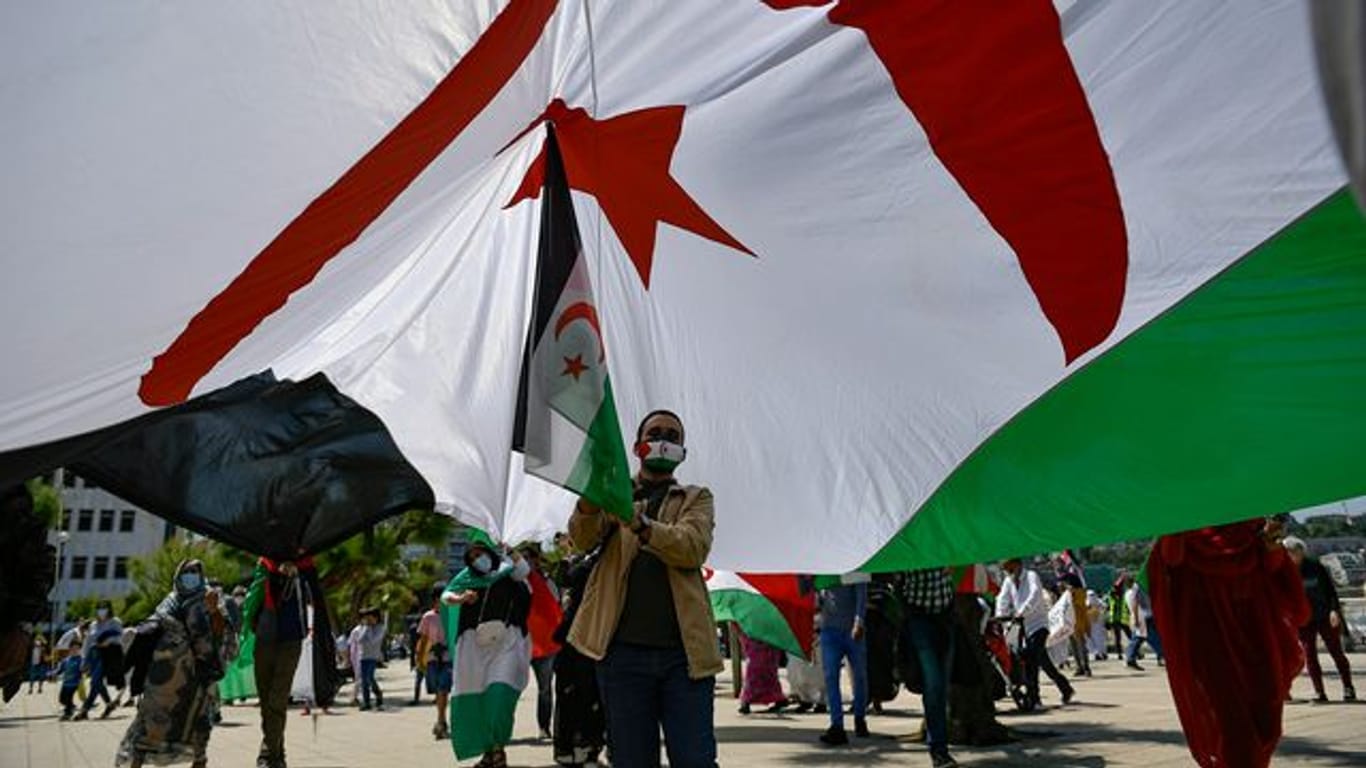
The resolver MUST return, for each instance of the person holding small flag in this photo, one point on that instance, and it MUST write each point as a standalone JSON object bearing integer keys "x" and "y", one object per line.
{"x": 646, "y": 615}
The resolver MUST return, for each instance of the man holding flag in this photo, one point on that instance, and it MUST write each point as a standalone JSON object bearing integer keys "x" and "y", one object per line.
{"x": 646, "y": 616}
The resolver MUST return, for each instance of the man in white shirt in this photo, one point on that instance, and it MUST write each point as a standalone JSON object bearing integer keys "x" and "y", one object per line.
{"x": 1022, "y": 597}
{"x": 1141, "y": 626}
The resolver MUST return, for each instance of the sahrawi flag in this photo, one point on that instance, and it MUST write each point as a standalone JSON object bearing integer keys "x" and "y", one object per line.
{"x": 567, "y": 426}
{"x": 772, "y": 608}
{"x": 489, "y": 660}
{"x": 928, "y": 282}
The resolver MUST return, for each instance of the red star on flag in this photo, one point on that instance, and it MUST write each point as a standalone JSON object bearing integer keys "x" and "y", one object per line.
{"x": 623, "y": 161}
{"x": 574, "y": 366}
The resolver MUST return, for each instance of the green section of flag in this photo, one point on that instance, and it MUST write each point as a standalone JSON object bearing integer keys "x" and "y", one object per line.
{"x": 482, "y": 721}
{"x": 601, "y": 474}
{"x": 1248, "y": 398}
{"x": 757, "y": 616}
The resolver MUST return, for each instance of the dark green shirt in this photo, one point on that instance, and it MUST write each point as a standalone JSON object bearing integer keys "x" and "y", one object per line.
{"x": 648, "y": 616}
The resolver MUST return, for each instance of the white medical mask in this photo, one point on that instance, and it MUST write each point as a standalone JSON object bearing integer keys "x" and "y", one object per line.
{"x": 521, "y": 569}
{"x": 102, "y": 613}
{"x": 191, "y": 581}
{"x": 482, "y": 564}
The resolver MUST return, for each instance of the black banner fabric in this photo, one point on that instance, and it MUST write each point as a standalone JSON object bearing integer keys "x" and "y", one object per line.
{"x": 277, "y": 468}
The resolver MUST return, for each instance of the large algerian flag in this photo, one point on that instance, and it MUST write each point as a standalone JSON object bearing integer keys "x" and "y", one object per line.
{"x": 772, "y": 608}
{"x": 929, "y": 283}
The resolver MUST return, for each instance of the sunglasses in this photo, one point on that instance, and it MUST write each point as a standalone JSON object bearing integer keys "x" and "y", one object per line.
{"x": 664, "y": 433}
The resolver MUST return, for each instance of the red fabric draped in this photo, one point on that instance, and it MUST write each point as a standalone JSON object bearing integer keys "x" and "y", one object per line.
{"x": 1228, "y": 608}
{"x": 544, "y": 617}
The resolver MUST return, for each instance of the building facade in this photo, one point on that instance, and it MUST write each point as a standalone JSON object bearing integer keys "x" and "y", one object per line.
{"x": 99, "y": 535}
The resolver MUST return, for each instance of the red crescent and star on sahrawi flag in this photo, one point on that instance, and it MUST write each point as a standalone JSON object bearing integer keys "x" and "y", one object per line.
{"x": 1012, "y": 127}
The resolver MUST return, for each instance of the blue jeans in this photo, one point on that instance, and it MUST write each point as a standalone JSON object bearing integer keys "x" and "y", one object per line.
{"x": 643, "y": 688}
{"x": 1154, "y": 639}
{"x": 544, "y": 670}
{"x": 837, "y": 645}
{"x": 367, "y": 681}
{"x": 1135, "y": 642}
{"x": 98, "y": 689}
{"x": 932, "y": 637}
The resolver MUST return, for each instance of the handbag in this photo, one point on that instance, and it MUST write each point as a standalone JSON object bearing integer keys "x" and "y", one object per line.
{"x": 490, "y": 633}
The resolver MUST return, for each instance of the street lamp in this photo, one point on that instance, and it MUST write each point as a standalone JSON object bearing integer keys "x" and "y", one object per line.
{"x": 62, "y": 537}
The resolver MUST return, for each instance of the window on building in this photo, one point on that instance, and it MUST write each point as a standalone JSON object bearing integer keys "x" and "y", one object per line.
{"x": 106, "y": 520}
{"x": 66, "y": 519}
{"x": 68, "y": 479}
{"x": 85, "y": 520}
{"x": 120, "y": 568}
{"x": 78, "y": 565}
{"x": 101, "y": 569}
{"x": 126, "y": 518}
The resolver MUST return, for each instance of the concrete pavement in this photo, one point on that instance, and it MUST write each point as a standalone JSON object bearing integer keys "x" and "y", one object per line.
{"x": 1120, "y": 718}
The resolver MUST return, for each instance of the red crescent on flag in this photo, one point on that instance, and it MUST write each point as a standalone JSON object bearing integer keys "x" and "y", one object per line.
{"x": 581, "y": 310}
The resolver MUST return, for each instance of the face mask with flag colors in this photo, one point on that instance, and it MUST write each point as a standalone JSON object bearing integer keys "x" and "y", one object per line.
{"x": 660, "y": 455}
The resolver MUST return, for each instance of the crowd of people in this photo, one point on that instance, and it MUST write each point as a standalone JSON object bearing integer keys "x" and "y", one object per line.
{"x": 620, "y": 639}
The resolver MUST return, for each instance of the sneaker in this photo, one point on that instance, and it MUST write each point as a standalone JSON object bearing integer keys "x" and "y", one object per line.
{"x": 1349, "y": 693}
{"x": 802, "y": 708}
{"x": 365, "y": 707}
{"x": 109, "y": 710}
{"x": 744, "y": 708}
{"x": 1133, "y": 665}
{"x": 861, "y": 728}
{"x": 835, "y": 736}
{"x": 942, "y": 760}
{"x": 82, "y": 715}
{"x": 776, "y": 708}
{"x": 1321, "y": 698}
{"x": 66, "y": 716}
{"x": 819, "y": 709}
{"x": 1068, "y": 695}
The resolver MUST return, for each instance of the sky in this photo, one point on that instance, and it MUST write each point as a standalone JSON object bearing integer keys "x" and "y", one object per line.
{"x": 1355, "y": 506}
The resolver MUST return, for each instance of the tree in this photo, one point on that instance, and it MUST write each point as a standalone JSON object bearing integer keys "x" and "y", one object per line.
{"x": 375, "y": 568}
{"x": 47, "y": 502}
{"x": 84, "y": 607}
{"x": 152, "y": 574}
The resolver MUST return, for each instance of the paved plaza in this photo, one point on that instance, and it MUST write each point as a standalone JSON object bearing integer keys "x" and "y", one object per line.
{"x": 1120, "y": 718}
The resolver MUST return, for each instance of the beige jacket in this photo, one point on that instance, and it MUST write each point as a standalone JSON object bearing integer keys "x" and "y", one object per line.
{"x": 681, "y": 538}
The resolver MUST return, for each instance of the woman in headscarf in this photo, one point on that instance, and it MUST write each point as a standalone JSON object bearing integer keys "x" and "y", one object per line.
{"x": 486, "y": 608}
{"x": 190, "y": 646}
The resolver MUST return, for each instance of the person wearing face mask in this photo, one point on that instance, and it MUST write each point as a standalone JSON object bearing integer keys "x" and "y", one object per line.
{"x": 485, "y": 611}
{"x": 645, "y": 615}
{"x": 193, "y": 643}
{"x": 103, "y": 654}
{"x": 103, "y": 640}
